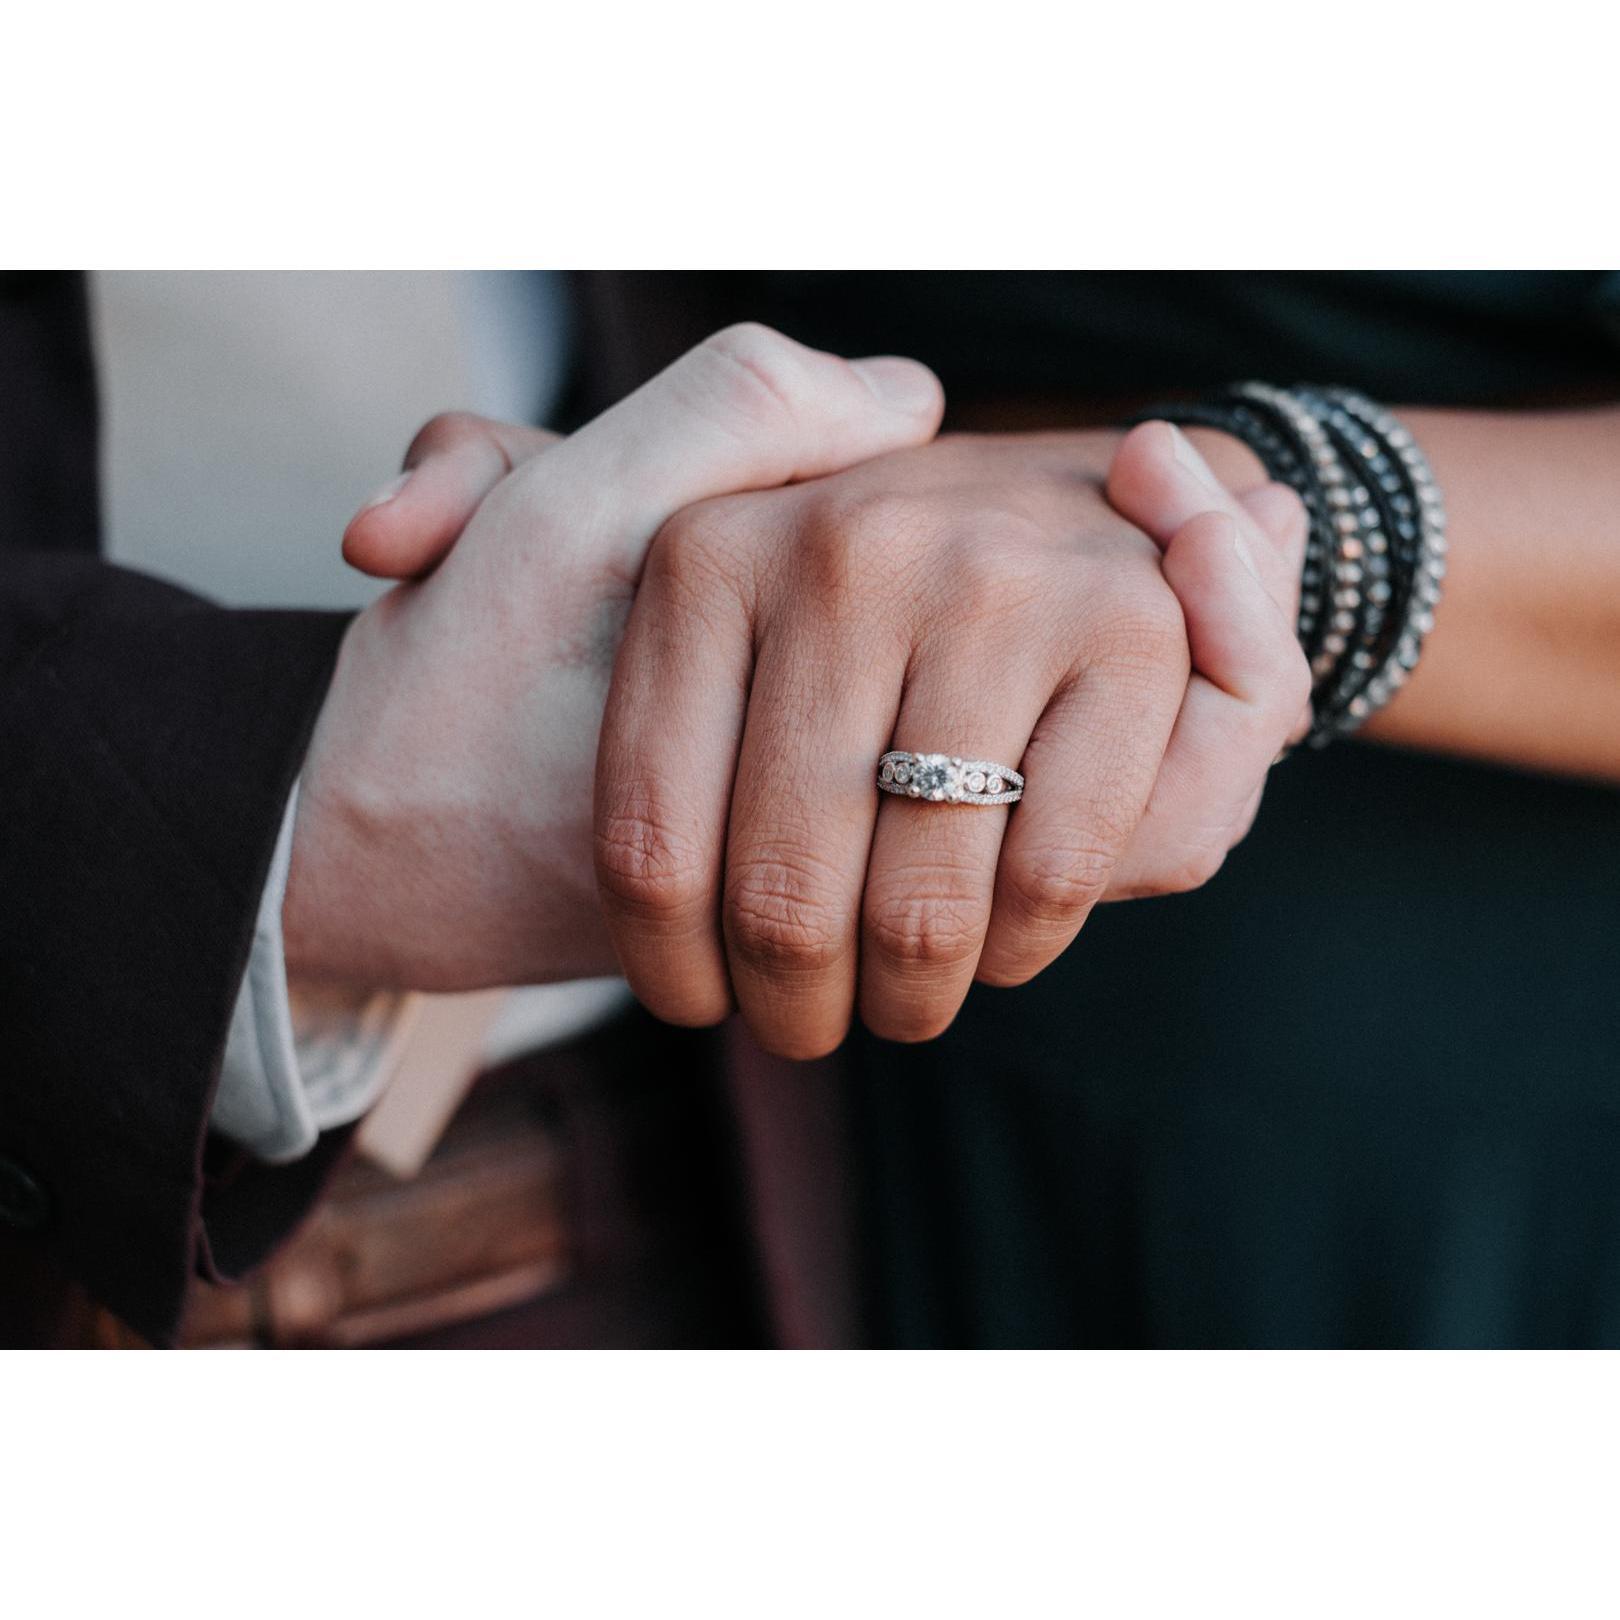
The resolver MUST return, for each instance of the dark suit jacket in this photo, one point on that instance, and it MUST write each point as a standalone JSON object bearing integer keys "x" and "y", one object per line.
{"x": 148, "y": 741}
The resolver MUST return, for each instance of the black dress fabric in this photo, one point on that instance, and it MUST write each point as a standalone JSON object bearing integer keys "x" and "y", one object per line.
{"x": 1364, "y": 1088}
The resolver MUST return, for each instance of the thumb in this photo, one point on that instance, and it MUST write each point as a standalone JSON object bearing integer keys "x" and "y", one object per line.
{"x": 1160, "y": 482}
{"x": 407, "y": 527}
{"x": 1280, "y": 516}
{"x": 746, "y": 409}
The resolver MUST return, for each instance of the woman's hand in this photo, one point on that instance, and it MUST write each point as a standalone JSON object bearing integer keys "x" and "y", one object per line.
{"x": 976, "y": 597}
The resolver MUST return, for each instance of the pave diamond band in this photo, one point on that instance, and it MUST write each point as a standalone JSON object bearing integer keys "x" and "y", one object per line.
{"x": 948, "y": 778}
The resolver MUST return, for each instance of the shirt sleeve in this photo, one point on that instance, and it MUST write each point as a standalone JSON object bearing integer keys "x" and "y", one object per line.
{"x": 300, "y": 1061}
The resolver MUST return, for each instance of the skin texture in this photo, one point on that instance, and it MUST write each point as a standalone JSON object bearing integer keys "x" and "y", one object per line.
{"x": 1248, "y": 674}
{"x": 979, "y": 596}
{"x": 1225, "y": 590}
{"x": 443, "y": 836}
{"x": 1523, "y": 665}
{"x": 1522, "y": 668}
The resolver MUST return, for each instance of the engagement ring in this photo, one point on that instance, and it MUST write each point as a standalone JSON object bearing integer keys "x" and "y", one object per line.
{"x": 948, "y": 779}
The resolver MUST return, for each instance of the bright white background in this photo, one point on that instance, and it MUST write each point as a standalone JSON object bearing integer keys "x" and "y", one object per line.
{"x": 876, "y": 132}
{"x": 1121, "y": 135}
{"x": 479, "y": 1484}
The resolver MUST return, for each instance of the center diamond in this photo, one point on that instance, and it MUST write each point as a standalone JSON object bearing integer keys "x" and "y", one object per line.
{"x": 936, "y": 776}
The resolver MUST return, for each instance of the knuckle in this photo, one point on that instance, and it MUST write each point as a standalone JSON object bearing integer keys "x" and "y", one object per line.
{"x": 992, "y": 580}
{"x": 750, "y": 342}
{"x": 444, "y": 432}
{"x": 646, "y": 864}
{"x": 880, "y": 518}
{"x": 780, "y": 916}
{"x": 848, "y": 543}
{"x": 1055, "y": 887}
{"x": 1006, "y": 973}
{"x": 756, "y": 367}
{"x": 934, "y": 932}
{"x": 1158, "y": 624}
{"x": 910, "y": 1022}
{"x": 1147, "y": 628}
{"x": 702, "y": 566}
{"x": 851, "y": 539}
{"x": 801, "y": 1045}
{"x": 1199, "y": 867}
{"x": 691, "y": 543}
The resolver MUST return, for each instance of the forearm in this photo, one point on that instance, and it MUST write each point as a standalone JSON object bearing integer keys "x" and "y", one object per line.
{"x": 1523, "y": 665}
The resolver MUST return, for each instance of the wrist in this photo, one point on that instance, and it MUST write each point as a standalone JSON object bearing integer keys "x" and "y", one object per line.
{"x": 430, "y": 851}
{"x": 331, "y": 884}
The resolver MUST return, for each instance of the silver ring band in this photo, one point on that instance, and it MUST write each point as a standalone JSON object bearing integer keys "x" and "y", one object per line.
{"x": 948, "y": 778}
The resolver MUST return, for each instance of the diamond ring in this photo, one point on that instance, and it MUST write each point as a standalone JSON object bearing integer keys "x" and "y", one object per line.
{"x": 948, "y": 779}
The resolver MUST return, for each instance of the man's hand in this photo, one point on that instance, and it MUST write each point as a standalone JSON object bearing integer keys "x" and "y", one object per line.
{"x": 443, "y": 836}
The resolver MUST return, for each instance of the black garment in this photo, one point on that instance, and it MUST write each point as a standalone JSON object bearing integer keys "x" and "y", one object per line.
{"x": 1436, "y": 338}
{"x": 1364, "y": 1088}
{"x": 148, "y": 742}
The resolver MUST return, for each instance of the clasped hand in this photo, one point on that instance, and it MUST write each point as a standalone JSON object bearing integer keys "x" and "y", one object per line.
{"x": 627, "y": 706}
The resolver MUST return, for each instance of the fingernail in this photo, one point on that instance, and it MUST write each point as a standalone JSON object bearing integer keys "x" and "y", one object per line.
{"x": 902, "y": 385}
{"x": 387, "y": 492}
{"x": 1193, "y": 462}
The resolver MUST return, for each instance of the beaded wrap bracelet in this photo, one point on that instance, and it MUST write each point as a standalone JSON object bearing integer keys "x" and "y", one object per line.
{"x": 1375, "y": 553}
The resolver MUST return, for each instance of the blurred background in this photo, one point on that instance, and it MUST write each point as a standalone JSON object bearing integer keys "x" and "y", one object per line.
{"x": 247, "y": 415}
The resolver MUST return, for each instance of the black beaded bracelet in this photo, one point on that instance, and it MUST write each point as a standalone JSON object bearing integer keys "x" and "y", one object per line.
{"x": 1419, "y": 531}
{"x": 1375, "y": 547}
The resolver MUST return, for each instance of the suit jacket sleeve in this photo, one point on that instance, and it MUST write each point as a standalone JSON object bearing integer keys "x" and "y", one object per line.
{"x": 148, "y": 743}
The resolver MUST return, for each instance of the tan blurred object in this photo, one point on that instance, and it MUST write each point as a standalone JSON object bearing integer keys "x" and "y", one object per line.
{"x": 482, "y": 1228}
{"x": 436, "y": 1069}
{"x": 585, "y": 1196}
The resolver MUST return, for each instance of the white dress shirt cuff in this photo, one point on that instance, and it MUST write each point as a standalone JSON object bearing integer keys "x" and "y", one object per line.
{"x": 300, "y": 1062}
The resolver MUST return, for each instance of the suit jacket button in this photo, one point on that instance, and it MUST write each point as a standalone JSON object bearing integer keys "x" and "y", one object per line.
{"x": 23, "y": 1204}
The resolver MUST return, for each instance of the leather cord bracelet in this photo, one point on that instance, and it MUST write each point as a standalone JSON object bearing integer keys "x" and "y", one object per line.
{"x": 1376, "y": 545}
